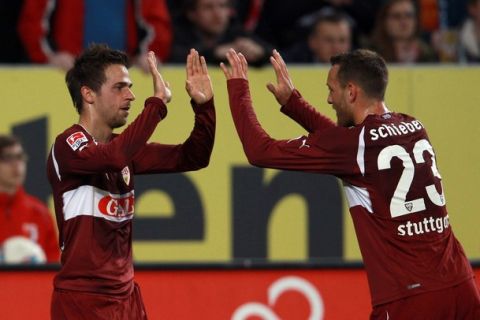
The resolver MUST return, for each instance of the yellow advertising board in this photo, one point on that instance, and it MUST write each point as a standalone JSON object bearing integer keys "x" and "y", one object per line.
{"x": 231, "y": 211}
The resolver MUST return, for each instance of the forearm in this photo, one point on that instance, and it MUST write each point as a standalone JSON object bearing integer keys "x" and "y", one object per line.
{"x": 299, "y": 110}
{"x": 118, "y": 153}
{"x": 199, "y": 145}
{"x": 254, "y": 139}
{"x": 193, "y": 154}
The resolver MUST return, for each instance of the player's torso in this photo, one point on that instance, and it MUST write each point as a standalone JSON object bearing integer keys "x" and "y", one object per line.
{"x": 399, "y": 170}
{"x": 94, "y": 213}
{"x": 399, "y": 211}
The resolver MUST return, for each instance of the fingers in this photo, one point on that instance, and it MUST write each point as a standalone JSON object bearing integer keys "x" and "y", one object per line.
{"x": 234, "y": 61}
{"x": 225, "y": 71}
{"x": 279, "y": 59}
{"x": 152, "y": 63}
{"x": 238, "y": 65}
{"x": 232, "y": 73}
{"x": 196, "y": 64}
{"x": 278, "y": 65}
{"x": 160, "y": 88}
{"x": 281, "y": 63}
{"x": 271, "y": 88}
{"x": 243, "y": 63}
{"x": 193, "y": 63}
{"x": 190, "y": 64}
{"x": 203, "y": 65}
{"x": 276, "y": 68}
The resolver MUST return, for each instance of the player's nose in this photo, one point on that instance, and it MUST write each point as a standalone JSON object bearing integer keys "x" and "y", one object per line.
{"x": 130, "y": 95}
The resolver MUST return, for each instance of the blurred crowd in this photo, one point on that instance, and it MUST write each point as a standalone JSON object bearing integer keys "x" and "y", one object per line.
{"x": 304, "y": 31}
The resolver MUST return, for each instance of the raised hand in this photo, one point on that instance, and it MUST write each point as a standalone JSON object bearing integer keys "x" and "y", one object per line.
{"x": 198, "y": 84}
{"x": 284, "y": 87}
{"x": 238, "y": 66}
{"x": 161, "y": 89}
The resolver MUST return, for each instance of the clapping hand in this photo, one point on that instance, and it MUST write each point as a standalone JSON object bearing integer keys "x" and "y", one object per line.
{"x": 238, "y": 66}
{"x": 161, "y": 89}
{"x": 284, "y": 87}
{"x": 198, "y": 84}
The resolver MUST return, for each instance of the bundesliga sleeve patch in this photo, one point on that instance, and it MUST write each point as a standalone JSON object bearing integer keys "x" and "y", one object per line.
{"x": 76, "y": 139}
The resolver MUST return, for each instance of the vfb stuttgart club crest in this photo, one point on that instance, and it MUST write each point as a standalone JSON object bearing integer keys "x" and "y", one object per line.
{"x": 126, "y": 175}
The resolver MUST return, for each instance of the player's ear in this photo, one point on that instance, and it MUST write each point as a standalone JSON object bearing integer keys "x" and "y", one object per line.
{"x": 352, "y": 92}
{"x": 88, "y": 94}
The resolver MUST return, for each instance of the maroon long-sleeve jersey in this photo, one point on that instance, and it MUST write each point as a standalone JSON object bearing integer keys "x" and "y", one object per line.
{"x": 391, "y": 182}
{"x": 93, "y": 191}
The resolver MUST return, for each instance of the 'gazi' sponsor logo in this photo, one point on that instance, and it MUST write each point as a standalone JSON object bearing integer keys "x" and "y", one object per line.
{"x": 117, "y": 207}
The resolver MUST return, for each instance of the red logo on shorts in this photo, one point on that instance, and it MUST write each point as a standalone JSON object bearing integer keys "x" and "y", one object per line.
{"x": 117, "y": 207}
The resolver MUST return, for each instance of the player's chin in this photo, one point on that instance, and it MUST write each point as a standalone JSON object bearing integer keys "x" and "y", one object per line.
{"x": 119, "y": 122}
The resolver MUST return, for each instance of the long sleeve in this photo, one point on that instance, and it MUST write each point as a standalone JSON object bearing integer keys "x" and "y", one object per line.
{"x": 76, "y": 154}
{"x": 300, "y": 111}
{"x": 331, "y": 151}
{"x": 33, "y": 25}
{"x": 193, "y": 154}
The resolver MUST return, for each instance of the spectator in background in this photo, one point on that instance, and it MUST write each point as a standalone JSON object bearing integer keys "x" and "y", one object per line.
{"x": 56, "y": 31}
{"x": 281, "y": 23}
{"x": 470, "y": 34}
{"x": 330, "y": 34}
{"x": 396, "y": 35}
{"x": 210, "y": 27}
{"x": 27, "y": 231}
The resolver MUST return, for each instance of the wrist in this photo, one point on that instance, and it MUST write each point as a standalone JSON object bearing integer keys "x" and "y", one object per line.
{"x": 159, "y": 104}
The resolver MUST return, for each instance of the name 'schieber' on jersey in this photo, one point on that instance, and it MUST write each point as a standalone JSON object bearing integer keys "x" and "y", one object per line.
{"x": 387, "y": 130}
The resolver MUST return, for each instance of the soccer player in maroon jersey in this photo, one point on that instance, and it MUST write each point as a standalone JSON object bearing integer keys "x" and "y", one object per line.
{"x": 416, "y": 268}
{"x": 92, "y": 170}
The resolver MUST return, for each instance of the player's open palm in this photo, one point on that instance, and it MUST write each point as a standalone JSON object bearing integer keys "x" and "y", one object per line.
{"x": 198, "y": 84}
{"x": 238, "y": 66}
{"x": 284, "y": 87}
{"x": 161, "y": 89}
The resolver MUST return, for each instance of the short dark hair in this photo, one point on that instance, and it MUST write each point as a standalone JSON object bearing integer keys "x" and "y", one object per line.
{"x": 364, "y": 67}
{"x": 7, "y": 141}
{"x": 89, "y": 70}
{"x": 329, "y": 15}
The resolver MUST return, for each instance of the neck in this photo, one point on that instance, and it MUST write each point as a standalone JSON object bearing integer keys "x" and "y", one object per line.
{"x": 374, "y": 107}
{"x": 98, "y": 130}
